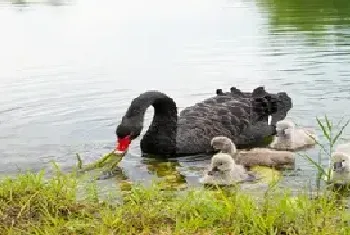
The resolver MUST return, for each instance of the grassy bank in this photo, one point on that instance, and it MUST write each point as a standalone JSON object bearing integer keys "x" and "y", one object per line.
{"x": 33, "y": 204}
{"x": 29, "y": 204}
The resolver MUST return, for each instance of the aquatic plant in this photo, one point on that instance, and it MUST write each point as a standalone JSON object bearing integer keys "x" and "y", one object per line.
{"x": 111, "y": 159}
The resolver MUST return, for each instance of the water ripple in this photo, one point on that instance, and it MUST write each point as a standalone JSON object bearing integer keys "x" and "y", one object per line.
{"x": 65, "y": 88}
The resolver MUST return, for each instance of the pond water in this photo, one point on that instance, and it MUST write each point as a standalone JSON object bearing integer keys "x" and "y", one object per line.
{"x": 69, "y": 72}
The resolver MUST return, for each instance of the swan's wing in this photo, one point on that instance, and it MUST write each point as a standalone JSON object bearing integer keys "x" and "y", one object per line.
{"x": 194, "y": 134}
{"x": 222, "y": 116}
{"x": 259, "y": 134}
{"x": 197, "y": 125}
{"x": 217, "y": 116}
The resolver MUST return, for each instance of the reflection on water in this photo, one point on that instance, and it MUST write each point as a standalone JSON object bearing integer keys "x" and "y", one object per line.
{"x": 69, "y": 73}
{"x": 310, "y": 17}
{"x": 166, "y": 171}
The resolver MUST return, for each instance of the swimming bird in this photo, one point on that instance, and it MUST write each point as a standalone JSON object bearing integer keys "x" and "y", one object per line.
{"x": 224, "y": 171}
{"x": 254, "y": 156}
{"x": 340, "y": 172}
{"x": 241, "y": 119}
{"x": 265, "y": 157}
{"x": 224, "y": 145}
{"x": 289, "y": 137}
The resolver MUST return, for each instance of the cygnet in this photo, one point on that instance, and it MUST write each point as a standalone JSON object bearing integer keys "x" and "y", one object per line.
{"x": 340, "y": 172}
{"x": 288, "y": 137}
{"x": 224, "y": 145}
{"x": 255, "y": 156}
{"x": 265, "y": 157}
{"x": 224, "y": 171}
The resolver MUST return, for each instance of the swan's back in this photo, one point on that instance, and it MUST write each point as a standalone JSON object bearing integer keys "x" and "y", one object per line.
{"x": 217, "y": 116}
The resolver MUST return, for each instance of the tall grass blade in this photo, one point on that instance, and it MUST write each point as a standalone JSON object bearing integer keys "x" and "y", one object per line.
{"x": 324, "y": 130}
{"x": 340, "y": 133}
{"x": 318, "y": 166}
{"x": 329, "y": 124}
{"x": 318, "y": 143}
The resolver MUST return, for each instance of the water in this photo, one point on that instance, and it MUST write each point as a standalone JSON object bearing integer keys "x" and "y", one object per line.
{"x": 69, "y": 72}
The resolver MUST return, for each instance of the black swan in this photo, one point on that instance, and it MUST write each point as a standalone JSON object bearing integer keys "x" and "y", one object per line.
{"x": 242, "y": 119}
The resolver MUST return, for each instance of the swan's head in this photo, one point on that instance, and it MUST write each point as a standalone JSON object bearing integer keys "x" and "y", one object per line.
{"x": 220, "y": 163}
{"x": 341, "y": 162}
{"x": 223, "y": 144}
{"x": 284, "y": 128}
{"x": 125, "y": 134}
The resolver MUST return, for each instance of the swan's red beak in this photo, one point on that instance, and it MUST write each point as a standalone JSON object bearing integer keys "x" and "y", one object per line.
{"x": 122, "y": 144}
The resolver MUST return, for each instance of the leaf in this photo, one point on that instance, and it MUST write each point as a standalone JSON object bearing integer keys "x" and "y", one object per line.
{"x": 318, "y": 166}
{"x": 325, "y": 133}
{"x": 339, "y": 133}
{"x": 318, "y": 143}
{"x": 329, "y": 124}
{"x": 80, "y": 162}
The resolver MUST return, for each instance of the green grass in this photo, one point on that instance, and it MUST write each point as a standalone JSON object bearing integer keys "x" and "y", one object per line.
{"x": 33, "y": 204}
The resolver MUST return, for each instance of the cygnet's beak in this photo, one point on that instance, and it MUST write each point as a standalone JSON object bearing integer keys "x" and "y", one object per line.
{"x": 280, "y": 133}
{"x": 338, "y": 166}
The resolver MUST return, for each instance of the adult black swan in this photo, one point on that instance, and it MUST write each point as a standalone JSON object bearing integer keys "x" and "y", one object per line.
{"x": 243, "y": 119}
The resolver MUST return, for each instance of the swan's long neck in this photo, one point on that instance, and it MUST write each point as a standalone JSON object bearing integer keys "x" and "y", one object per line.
{"x": 161, "y": 135}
